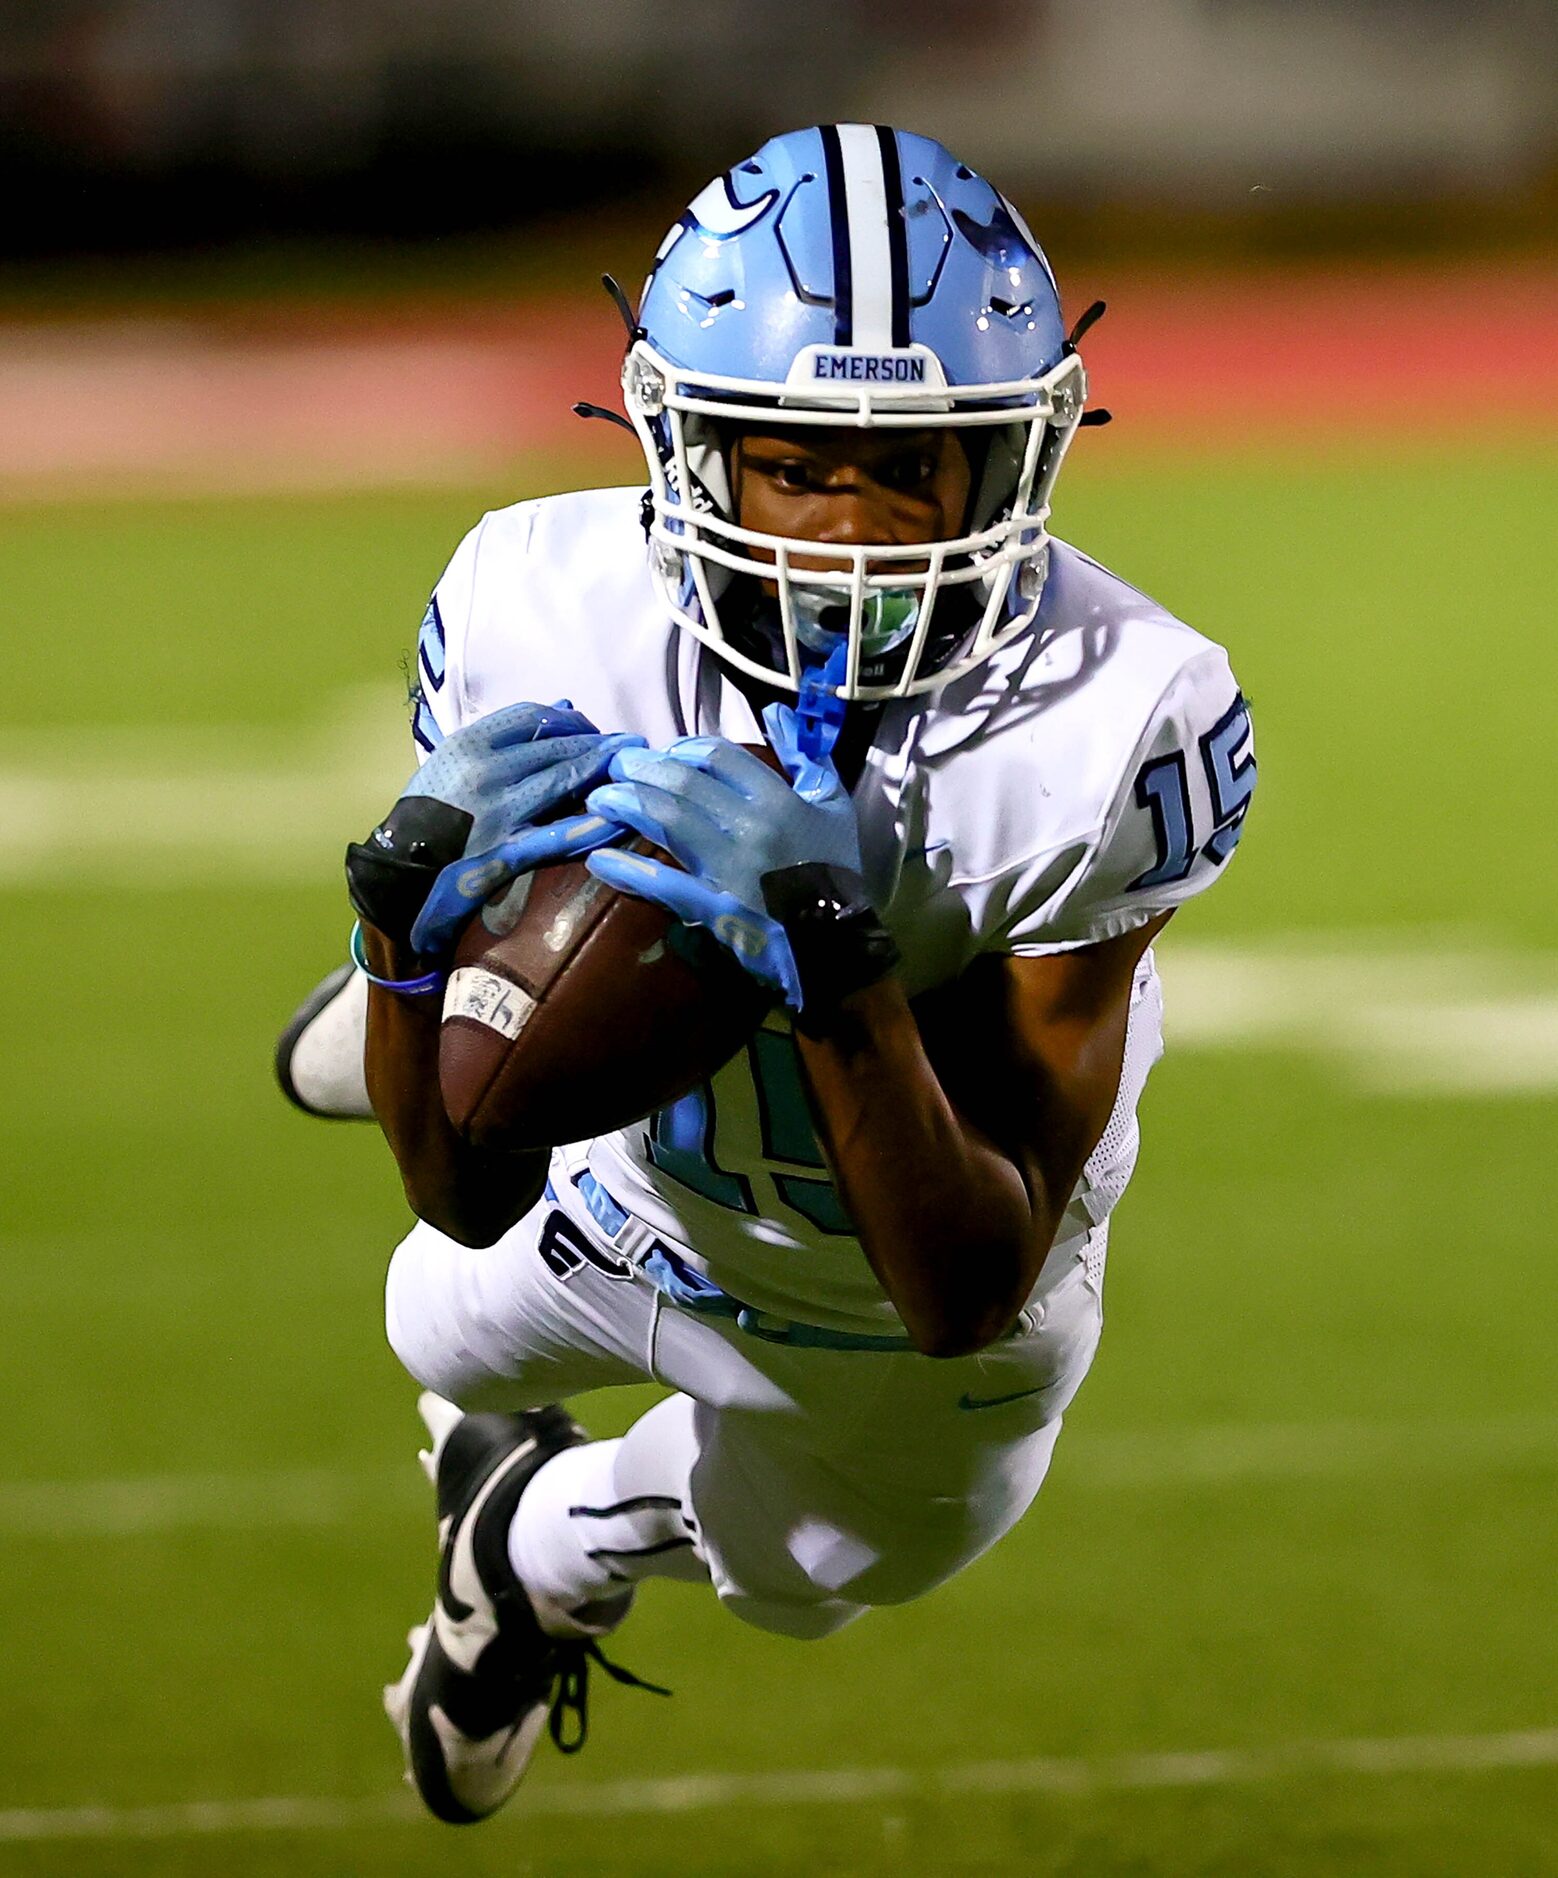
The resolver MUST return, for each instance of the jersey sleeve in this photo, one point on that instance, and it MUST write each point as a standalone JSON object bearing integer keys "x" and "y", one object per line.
{"x": 437, "y": 687}
{"x": 1170, "y": 830}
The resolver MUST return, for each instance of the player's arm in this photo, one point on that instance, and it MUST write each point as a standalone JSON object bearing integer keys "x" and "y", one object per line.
{"x": 955, "y": 1176}
{"x": 1005, "y": 1083}
{"x": 487, "y": 805}
{"x": 956, "y": 1132}
{"x": 474, "y": 1195}
{"x": 955, "y": 1150}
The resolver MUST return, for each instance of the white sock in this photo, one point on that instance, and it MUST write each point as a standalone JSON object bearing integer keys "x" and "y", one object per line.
{"x": 599, "y": 1518}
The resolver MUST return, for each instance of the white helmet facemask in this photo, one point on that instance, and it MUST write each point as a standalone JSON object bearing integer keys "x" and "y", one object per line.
{"x": 911, "y": 617}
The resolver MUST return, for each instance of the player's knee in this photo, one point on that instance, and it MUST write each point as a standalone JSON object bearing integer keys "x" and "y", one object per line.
{"x": 904, "y": 1586}
{"x": 413, "y": 1324}
{"x": 782, "y": 1617}
{"x": 401, "y": 1325}
{"x": 440, "y": 1342}
{"x": 921, "y": 1563}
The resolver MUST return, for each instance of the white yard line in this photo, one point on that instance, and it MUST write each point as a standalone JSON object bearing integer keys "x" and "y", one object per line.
{"x": 155, "y": 1503}
{"x": 1172, "y": 1457}
{"x": 1086, "y": 1462}
{"x": 207, "y": 806}
{"x": 1053, "y": 1777}
{"x": 1400, "y": 1013}
{"x": 1447, "y": 1015}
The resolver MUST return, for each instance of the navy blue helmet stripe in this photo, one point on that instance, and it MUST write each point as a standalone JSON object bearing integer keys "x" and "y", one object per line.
{"x": 897, "y": 233}
{"x": 838, "y": 213}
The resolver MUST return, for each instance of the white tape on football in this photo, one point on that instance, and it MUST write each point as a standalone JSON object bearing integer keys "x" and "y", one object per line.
{"x": 487, "y": 999}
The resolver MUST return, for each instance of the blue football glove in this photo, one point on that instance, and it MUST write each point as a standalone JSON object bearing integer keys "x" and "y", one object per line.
{"x": 474, "y": 816}
{"x": 759, "y": 853}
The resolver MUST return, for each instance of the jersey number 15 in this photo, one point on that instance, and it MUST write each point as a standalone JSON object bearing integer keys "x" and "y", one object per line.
{"x": 1163, "y": 788}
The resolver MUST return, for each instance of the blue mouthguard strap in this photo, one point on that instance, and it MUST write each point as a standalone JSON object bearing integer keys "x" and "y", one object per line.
{"x": 819, "y": 709}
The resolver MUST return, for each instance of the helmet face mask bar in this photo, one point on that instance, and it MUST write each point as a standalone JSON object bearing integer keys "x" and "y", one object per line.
{"x": 696, "y": 545}
{"x": 912, "y": 616}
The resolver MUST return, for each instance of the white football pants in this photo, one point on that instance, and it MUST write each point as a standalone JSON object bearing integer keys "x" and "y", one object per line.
{"x": 819, "y": 1482}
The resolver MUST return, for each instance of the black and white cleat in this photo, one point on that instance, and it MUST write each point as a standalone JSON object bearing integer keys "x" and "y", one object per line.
{"x": 484, "y": 1678}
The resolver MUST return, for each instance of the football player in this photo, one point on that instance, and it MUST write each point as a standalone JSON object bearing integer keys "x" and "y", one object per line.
{"x": 865, "y": 1259}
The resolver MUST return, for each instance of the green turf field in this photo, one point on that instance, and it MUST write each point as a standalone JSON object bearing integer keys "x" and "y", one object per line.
{"x": 1305, "y": 1500}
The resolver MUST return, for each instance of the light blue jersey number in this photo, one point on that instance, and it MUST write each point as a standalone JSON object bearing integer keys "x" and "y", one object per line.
{"x": 1163, "y": 789}
{"x": 429, "y": 680}
{"x": 745, "y": 1139}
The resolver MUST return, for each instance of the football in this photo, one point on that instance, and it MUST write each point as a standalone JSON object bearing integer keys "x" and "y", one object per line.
{"x": 573, "y": 1009}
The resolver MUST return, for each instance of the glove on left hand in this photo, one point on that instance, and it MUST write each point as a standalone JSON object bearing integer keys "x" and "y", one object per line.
{"x": 467, "y": 821}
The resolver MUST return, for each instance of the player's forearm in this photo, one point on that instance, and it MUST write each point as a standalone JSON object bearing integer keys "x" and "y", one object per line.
{"x": 473, "y": 1194}
{"x": 946, "y": 1219}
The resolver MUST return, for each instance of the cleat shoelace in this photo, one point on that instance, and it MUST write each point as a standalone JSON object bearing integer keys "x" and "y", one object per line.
{"x": 569, "y": 1720}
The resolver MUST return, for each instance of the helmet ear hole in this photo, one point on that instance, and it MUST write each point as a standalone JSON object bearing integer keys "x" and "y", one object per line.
{"x": 705, "y": 445}
{"x": 995, "y": 480}
{"x": 975, "y": 446}
{"x": 710, "y": 467}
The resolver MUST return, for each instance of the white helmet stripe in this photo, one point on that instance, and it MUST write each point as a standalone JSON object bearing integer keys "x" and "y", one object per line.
{"x": 870, "y": 255}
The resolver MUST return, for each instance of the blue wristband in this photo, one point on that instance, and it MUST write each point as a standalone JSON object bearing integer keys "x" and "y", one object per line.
{"x": 421, "y": 987}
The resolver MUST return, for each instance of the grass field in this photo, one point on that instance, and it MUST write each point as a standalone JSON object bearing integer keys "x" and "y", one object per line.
{"x": 1305, "y": 1501}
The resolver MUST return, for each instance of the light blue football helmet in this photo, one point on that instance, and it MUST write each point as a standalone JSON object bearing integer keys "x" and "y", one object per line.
{"x": 852, "y": 274}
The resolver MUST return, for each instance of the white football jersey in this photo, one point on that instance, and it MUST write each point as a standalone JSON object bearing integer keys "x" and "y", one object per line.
{"x": 1088, "y": 776}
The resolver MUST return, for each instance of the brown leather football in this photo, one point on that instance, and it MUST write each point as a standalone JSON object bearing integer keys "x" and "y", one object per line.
{"x": 573, "y": 1009}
